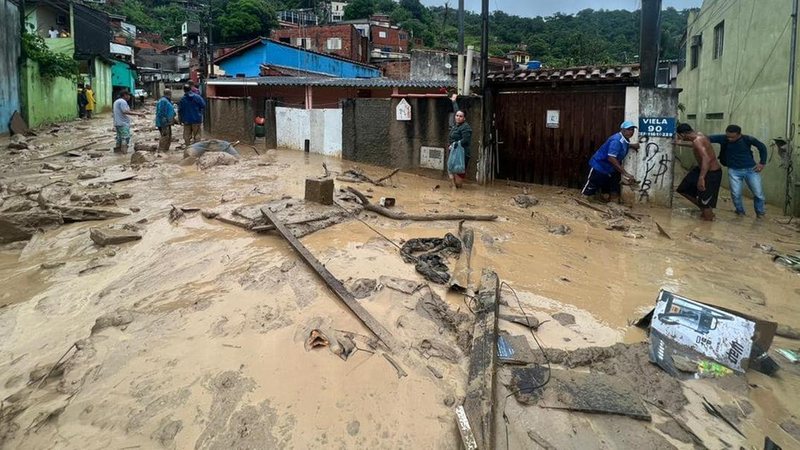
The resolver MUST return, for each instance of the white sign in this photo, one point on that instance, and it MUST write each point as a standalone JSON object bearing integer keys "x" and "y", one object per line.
{"x": 431, "y": 157}
{"x": 553, "y": 118}
{"x": 403, "y": 110}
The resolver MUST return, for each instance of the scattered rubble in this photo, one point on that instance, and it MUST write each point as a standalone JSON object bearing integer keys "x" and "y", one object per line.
{"x": 525, "y": 201}
{"x": 212, "y": 159}
{"x": 111, "y": 236}
{"x": 139, "y": 158}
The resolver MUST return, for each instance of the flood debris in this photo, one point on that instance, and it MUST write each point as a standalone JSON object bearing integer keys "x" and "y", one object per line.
{"x": 560, "y": 230}
{"x": 478, "y": 404}
{"x": 579, "y": 391}
{"x": 396, "y": 215}
{"x": 429, "y": 256}
{"x": 788, "y": 332}
{"x": 662, "y": 231}
{"x": 198, "y": 149}
{"x": 513, "y": 349}
{"x": 526, "y": 321}
{"x": 213, "y": 159}
{"x": 525, "y": 201}
{"x": 460, "y": 280}
{"x": 697, "y": 331}
{"x": 116, "y": 319}
{"x": 333, "y": 283}
{"x": 356, "y": 175}
{"x": 363, "y": 287}
{"x": 399, "y": 284}
{"x": 139, "y": 158}
{"x": 319, "y": 190}
{"x": 111, "y": 236}
{"x": 400, "y": 372}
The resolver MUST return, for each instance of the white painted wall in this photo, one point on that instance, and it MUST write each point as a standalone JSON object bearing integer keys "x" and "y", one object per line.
{"x": 322, "y": 126}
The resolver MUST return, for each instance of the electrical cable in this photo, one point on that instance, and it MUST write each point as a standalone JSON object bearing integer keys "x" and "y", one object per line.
{"x": 544, "y": 354}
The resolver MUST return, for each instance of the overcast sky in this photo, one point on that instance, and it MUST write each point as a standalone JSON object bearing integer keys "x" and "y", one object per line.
{"x": 532, "y": 8}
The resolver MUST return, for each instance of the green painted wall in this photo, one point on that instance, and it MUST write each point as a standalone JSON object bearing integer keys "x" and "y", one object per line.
{"x": 47, "y": 101}
{"x": 748, "y": 84}
{"x": 101, "y": 84}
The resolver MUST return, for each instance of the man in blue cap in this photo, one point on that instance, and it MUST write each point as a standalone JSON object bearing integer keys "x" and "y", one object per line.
{"x": 606, "y": 171}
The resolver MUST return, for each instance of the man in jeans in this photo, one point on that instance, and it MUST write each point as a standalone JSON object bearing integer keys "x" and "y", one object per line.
{"x": 165, "y": 116}
{"x": 190, "y": 111}
{"x": 736, "y": 153}
{"x": 122, "y": 121}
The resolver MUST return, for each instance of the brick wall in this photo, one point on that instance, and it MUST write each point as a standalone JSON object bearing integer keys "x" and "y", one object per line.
{"x": 398, "y": 70}
{"x": 344, "y": 40}
{"x": 391, "y": 39}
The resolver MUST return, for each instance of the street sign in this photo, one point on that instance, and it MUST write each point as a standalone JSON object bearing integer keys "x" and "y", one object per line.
{"x": 657, "y": 127}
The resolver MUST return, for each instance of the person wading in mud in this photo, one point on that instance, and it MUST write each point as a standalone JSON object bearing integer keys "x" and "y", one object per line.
{"x": 460, "y": 132}
{"x": 190, "y": 113}
{"x": 606, "y": 171}
{"x": 165, "y": 117}
{"x": 701, "y": 185}
{"x": 122, "y": 121}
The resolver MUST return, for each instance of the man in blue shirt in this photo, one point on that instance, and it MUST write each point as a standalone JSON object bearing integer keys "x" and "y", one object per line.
{"x": 736, "y": 153}
{"x": 165, "y": 117}
{"x": 190, "y": 111}
{"x": 606, "y": 171}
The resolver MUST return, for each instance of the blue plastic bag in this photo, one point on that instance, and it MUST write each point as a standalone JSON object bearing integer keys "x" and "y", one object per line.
{"x": 455, "y": 162}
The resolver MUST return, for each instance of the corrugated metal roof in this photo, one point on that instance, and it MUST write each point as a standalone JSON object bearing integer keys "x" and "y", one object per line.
{"x": 333, "y": 82}
{"x": 589, "y": 74}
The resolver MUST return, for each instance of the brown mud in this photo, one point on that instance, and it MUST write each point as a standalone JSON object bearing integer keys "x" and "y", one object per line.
{"x": 192, "y": 335}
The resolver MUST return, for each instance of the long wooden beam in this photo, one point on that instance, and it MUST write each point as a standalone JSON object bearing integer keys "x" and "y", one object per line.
{"x": 479, "y": 401}
{"x": 333, "y": 283}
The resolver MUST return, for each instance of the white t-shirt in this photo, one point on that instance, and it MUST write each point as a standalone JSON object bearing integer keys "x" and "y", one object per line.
{"x": 53, "y": 34}
{"x": 120, "y": 108}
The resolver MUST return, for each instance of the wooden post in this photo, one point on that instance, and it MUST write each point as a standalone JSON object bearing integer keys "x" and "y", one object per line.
{"x": 479, "y": 401}
{"x": 309, "y": 97}
{"x": 333, "y": 283}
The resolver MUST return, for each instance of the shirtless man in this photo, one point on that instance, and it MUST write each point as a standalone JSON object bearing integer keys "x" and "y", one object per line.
{"x": 701, "y": 184}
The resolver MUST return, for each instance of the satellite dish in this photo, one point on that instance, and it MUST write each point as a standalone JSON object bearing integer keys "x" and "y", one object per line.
{"x": 448, "y": 66}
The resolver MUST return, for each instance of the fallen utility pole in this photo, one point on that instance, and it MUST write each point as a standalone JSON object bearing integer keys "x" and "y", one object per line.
{"x": 479, "y": 401}
{"x": 420, "y": 218}
{"x": 333, "y": 283}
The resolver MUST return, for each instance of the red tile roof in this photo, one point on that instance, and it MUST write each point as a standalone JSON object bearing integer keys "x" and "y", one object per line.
{"x": 628, "y": 74}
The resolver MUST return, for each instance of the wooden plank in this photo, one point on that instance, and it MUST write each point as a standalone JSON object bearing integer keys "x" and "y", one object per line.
{"x": 479, "y": 401}
{"x": 333, "y": 283}
{"x": 61, "y": 152}
{"x": 460, "y": 279}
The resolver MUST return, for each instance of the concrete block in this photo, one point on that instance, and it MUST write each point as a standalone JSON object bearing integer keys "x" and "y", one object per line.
{"x": 319, "y": 190}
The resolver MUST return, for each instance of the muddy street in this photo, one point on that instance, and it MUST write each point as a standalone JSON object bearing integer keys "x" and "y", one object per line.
{"x": 193, "y": 331}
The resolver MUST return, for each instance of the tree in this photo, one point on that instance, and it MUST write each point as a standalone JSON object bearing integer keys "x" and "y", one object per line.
{"x": 246, "y": 19}
{"x": 359, "y": 9}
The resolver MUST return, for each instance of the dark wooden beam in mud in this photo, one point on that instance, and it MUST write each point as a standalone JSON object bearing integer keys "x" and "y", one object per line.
{"x": 420, "y": 218}
{"x": 479, "y": 401}
{"x": 61, "y": 152}
{"x": 333, "y": 283}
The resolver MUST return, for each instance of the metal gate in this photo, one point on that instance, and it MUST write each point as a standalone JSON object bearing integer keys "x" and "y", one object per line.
{"x": 532, "y": 151}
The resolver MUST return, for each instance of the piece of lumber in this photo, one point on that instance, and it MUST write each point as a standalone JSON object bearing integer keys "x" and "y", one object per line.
{"x": 662, "y": 231}
{"x": 333, "y": 283}
{"x": 61, "y": 152}
{"x": 420, "y": 218}
{"x": 394, "y": 172}
{"x": 464, "y": 428}
{"x": 460, "y": 280}
{"x": 590, "y": 206}
{"x": 400, "y": 372}
{"x": 479, "y": 401}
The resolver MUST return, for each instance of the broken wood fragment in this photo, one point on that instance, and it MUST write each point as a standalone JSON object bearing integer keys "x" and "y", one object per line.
{"x": 460, "y": 280}
{"x": 590, "y": 206}
{"x": 400, "y": 372}
{"x": 421, "y": 218}
{"x": 662, "y": 231}
{"x": 333, "y": 283}
{"x": 61, "y": 152}
{"x": 479, "y": 401}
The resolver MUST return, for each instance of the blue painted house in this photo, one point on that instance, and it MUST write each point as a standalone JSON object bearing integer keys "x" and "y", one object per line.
{"x": 249, "y": 58}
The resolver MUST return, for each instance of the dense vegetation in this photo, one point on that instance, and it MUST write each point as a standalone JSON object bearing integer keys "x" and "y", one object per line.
{"x": 588, "y": 37}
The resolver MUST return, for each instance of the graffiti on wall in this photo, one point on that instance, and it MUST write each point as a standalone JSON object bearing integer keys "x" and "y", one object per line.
{"x": 657, "y": 165}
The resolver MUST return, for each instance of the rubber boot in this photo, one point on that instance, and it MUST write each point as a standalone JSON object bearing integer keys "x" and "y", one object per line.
{"x": 123, "y": 148}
